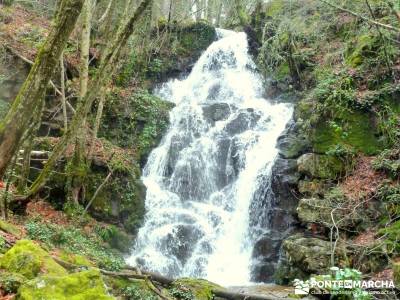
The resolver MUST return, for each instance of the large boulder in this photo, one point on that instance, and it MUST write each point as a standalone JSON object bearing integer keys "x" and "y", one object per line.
{"x": 337, "y": 210}
{"x": 320, "y": 166}
{"x": 216, "y": 112}
{"x": 313, "y": 187}
{"x": 311, "y": 255}
{"x": 29, "y": 259}
{"x": 293, "y": 142}
{"x": 86, "y": 285}
{"x": 244, "y": 120}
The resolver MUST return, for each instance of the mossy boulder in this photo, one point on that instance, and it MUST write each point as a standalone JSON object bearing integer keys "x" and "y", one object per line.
{"x": 10, "y": 282}
{"x": 313, "y": 187}
{"x": 29, "y": 259}
{"x": 359, "y": 129}
{"x": 86, "y": 285}
{"x": 200, "y": 288}
{"x": 320, "y": 166}
{"x": 311, "y": 255}
{"x": 342, "y": 209}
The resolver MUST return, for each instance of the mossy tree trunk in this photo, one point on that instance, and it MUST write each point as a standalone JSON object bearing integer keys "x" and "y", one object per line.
{"x": 33, "y": 91}
{"x": 103, "y": 75}
{"x": 76, "y": 179}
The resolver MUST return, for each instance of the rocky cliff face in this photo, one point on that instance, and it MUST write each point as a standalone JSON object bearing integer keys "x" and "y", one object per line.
{"x": 328, "y": 179}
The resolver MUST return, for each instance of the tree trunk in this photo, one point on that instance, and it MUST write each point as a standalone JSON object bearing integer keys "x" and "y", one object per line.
{"x": 102, "y": 76}
{"x": 77, "y": 178}
{"x": 33, "y": 91}
{"x": 63, "y": 100}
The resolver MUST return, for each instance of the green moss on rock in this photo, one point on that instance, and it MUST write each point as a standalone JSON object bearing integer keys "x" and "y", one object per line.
{"x": 86, "y": 285}
{"x": 360, "y": 131}
{"x": 311, "y": 255}
{"x": 313, "y": 187}
{"x": 320, "y": 166}
{"x": 28, "y": 259}
{"x": 200, "y": 288}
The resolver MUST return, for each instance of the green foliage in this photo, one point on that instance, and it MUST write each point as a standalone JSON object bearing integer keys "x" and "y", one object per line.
{"x": 138, "y": 292}
{"x": 10, "y": 282}
{"x": 389, "y": 162}
{"x": 391, "y": 239}
{"x": 32, "y": 37}
{"x": 336, "y": 94}
{"x": 181, "y": 293}
{"x": 75, "y": 241}
{"x": 177, "y": 45}
{"x": 389, "y": 123}
{"x": 190, "y": 288}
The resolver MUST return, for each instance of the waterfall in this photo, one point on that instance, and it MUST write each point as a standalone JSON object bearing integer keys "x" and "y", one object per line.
{"x": 203, "y": 177}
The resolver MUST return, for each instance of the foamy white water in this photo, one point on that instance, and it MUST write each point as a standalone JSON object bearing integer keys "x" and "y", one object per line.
{"x": 202, "y": 178}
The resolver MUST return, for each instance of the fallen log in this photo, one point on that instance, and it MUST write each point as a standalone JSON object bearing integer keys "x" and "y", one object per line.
{"x": 240, "y": 296}
{"x": 136, "y": 273}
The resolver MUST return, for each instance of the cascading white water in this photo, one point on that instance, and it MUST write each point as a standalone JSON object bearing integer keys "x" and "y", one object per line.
{"x": 202, "y": 178}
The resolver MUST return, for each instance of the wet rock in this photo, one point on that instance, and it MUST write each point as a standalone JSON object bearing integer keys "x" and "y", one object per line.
{"x": 276, "y": 212}
{"x": 182, "y": 241}
{"x": 291, "y": 146}
{"x": 245, "y": 119}
{"x": 267, "y": 246}
{"x": 320, "y": 166}
{"x": 216, "y": 112}
{"x": 178, "y": 143}
{"x": 263, "y": 271}
{"x": 284, "y": 180}
{"x": 225, "y": 160}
